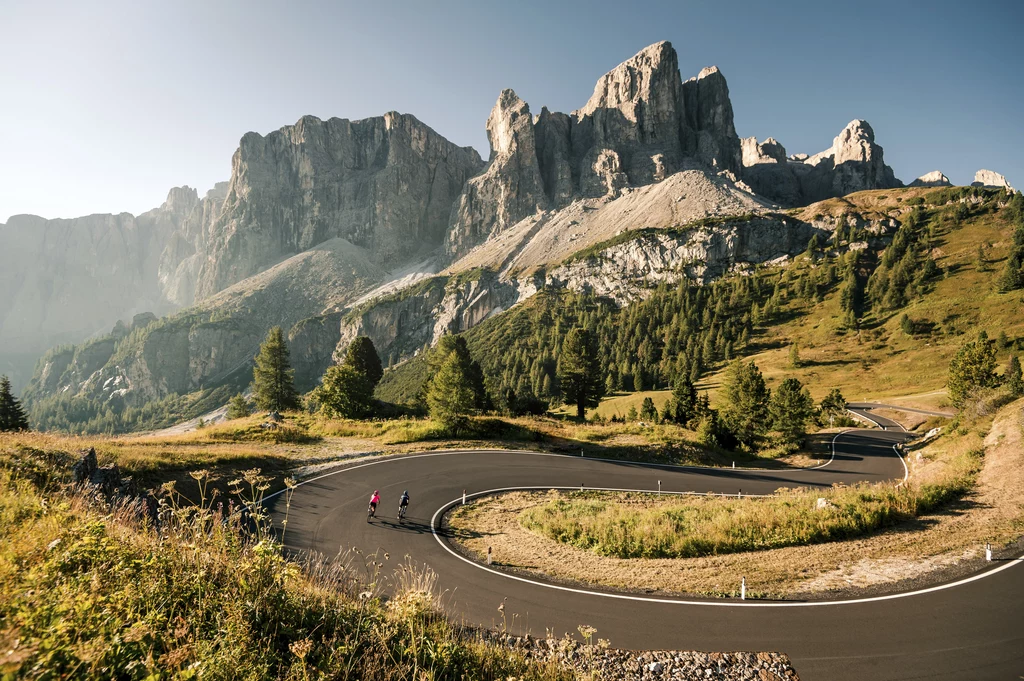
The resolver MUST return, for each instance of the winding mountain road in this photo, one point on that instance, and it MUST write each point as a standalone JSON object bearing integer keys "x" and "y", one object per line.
{"x": 971, "y": 629}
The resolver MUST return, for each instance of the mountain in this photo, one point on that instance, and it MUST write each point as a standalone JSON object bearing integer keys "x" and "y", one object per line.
{"x": 65, "y": 280}
{"x": 853, "y": 163}
{"x": 385, "y": 184}
{"x": 641, "y": 125}
{"x": 382, "y": 227}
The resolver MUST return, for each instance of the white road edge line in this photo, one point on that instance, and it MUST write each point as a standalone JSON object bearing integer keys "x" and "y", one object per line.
{"x": 399, "y": 457}
{"x": 674, "y": 601}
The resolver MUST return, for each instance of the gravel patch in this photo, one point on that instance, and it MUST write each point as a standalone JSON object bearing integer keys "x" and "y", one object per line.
{"x": 599, "y": 661}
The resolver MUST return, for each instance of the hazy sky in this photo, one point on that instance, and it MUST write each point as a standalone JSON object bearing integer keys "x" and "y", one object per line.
{"x": 106, "y": 105}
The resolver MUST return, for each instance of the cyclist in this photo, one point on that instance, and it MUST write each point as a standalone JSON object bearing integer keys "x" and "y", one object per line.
{"x": 403, "y": 504}
{"x": 374, "y": 500}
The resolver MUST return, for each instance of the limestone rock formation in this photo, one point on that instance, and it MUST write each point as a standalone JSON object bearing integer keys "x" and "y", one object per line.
{"x": 65, "y": 280}
{"x": 182, "y": 255}
{"x": 386, "y": 184}
{"x": 853, "y": 163}
{"x": 709, "y": 120}
{"x": 511, "y": 188}
{"x": 933, "y": 179}
{"x": 990, "y": 178}
{"x": 641, "y": 125}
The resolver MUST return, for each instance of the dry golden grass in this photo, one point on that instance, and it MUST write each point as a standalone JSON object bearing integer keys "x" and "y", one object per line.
{"x": 992, "y": 512}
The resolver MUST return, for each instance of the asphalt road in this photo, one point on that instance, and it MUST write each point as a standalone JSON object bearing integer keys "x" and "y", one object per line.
{"x": 973, "y": 630}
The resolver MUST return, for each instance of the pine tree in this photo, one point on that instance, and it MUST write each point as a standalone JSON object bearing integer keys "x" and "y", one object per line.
{"x": 794, "y": 356}
{"x": 745, "y": 412}
{"x": 790, "y": 408}
{"x": 973, "y": 368}
{"x": 648, "y": 412}
{"x": 833, "y": 404}
{"x": 238, "y": 407}
{"x": 273, "y": 379}
{"x": 362, "y": 356}
{"x": 907, "y": 325}
{"x": 450, "y": 397}
{"x": 579, "y": 371}
{"x": 12, "y": 416}
{"x": 1014, "y": 382}
{"x": 684, "y": 400}
{"x": 451, "y": 344}
{"x": 344, "y": 392}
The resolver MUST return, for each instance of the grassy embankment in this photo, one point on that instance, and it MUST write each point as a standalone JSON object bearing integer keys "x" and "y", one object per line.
{"x": 302, "y": 440}
{"x": 964, "y": 490}
{"x": 90, "y": 591}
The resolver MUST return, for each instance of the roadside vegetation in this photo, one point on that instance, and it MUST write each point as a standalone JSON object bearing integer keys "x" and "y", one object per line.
{"x": 94, "y": 589}
{"x": 964, "y": 491}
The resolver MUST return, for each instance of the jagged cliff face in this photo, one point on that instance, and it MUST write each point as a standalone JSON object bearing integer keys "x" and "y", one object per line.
{"x": 641, "y": 125}
{"x": 65, "y": 280}
{"x": 319, "y": 215}
{"x": 386, "y": 184}
{"x": 181, "y": 257}
{"x": 853, "y": 163}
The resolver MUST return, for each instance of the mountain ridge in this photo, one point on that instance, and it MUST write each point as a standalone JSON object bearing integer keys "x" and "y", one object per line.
{"x": 647, "y": 151}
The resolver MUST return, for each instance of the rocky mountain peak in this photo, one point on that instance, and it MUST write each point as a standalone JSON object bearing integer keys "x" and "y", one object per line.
{"x": 855, "y": 143}
{"x": 990, "y": 178}
{"x": 181, "y": 200}
{"x": 933, "y": 179}
{"x": 647, "y": 83}
{"x": 640, "y": 125}
{"x": 509, "y": 124}
{"x": 769, "y": 151}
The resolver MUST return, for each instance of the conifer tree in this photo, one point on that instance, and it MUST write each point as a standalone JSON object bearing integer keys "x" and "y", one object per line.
{"x": 238, "y": 407}
{"x": 745, "y": 412}
{"x": 273, "y": 379}
{"x": 833, "y": 404}
{"x": 648, "y": 412}
{"x": 362, "y": 356}
{"x": 1014, "y": 381}
{"x": 579, "y": 372}
{"x": 973, "y": 368}
{"x": 450, "y": 397}
{"x": 344, "y": 392}
{"x": 794, "y": 356}
{"x": 790, "y": 408}
{"x": 12, "y": 416}
{"x": 684, "y": 400}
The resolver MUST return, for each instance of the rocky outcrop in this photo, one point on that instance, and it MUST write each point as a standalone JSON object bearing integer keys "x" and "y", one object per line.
{"x": 933, "y": 179}
{"x": 511, "y": 188}
{"x": 709, "y": 132}
{"x": 625, "y": 272}
{"x": 386, "y": 184}
{"x": 182, "y": 255}
{"x": 401, "y": 324}
{"x": 853, "y": 163}
{"x": 769, "y": 151}
{"x": 641, "y": 125}
{"x": 990, "y": 178}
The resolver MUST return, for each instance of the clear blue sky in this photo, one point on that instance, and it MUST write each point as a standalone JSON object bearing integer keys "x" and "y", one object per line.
{"x": 106, "y": 105}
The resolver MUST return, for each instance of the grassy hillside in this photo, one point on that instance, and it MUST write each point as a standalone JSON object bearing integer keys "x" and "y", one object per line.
{"x": 948, "y": 253}
{"x": 91, "y": 592}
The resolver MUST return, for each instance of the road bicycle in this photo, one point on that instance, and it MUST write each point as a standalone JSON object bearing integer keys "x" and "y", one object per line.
{"x": 371, "y": 512}
{"x": 401, "y": 511}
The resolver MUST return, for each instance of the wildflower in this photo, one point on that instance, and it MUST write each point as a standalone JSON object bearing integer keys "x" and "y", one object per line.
{"x": 300, "y": 649}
